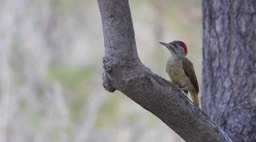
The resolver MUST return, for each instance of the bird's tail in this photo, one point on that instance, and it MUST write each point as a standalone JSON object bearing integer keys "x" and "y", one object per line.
{"x": 195, "y": 98}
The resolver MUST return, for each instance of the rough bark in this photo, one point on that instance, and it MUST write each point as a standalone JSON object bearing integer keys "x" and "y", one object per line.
{"x": 125, "y": 72}
{"x": 229, "y": 63}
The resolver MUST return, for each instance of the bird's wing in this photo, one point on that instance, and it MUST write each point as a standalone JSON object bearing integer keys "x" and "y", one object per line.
{"x": 190, "y": 72}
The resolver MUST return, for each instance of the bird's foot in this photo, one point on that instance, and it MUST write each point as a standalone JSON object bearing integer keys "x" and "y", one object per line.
{"x": 184, "y": 91}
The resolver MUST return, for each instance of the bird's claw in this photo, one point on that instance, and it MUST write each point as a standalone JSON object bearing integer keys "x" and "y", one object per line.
{"x": 184, "y": 91}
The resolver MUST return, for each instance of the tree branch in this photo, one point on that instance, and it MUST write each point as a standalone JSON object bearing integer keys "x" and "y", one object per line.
{"x": 125, "y": 72}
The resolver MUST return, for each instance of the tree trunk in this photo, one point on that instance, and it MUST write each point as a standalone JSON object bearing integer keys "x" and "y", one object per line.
{"x": 229, "y": 65}
{"x": 125, "y": 72}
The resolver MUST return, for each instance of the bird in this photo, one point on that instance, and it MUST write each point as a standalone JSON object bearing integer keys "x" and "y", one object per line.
{"x": 180, "y": 69}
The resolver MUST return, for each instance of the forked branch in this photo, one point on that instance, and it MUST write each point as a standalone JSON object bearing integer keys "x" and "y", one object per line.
{"x": 125, "y": 72}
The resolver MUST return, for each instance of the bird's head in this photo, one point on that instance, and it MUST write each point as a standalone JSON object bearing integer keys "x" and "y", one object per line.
{"x": 177, "y": 48}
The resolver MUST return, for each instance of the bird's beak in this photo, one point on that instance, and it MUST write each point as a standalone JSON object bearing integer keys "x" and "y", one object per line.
{"x": 168, "y": 45}
{"x": 165, "y": 44}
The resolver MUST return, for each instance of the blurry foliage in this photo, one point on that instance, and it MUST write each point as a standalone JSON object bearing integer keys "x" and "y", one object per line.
{"x": 77, "y": 82}
{"x": 71, "y": 7}
{"x": 108, "y": 117}
{"x": 73, "y": 78}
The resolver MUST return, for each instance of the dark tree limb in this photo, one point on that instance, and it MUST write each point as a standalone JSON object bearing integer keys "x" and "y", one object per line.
{"x": 125, "y": 72}
{"x": 229, "y": 64}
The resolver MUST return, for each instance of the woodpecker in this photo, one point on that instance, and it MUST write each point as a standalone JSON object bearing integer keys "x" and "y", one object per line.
{"x": 180, "y": 69}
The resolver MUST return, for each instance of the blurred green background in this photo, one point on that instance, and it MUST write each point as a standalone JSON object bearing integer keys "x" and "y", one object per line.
{"x": 51, "y": 66}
